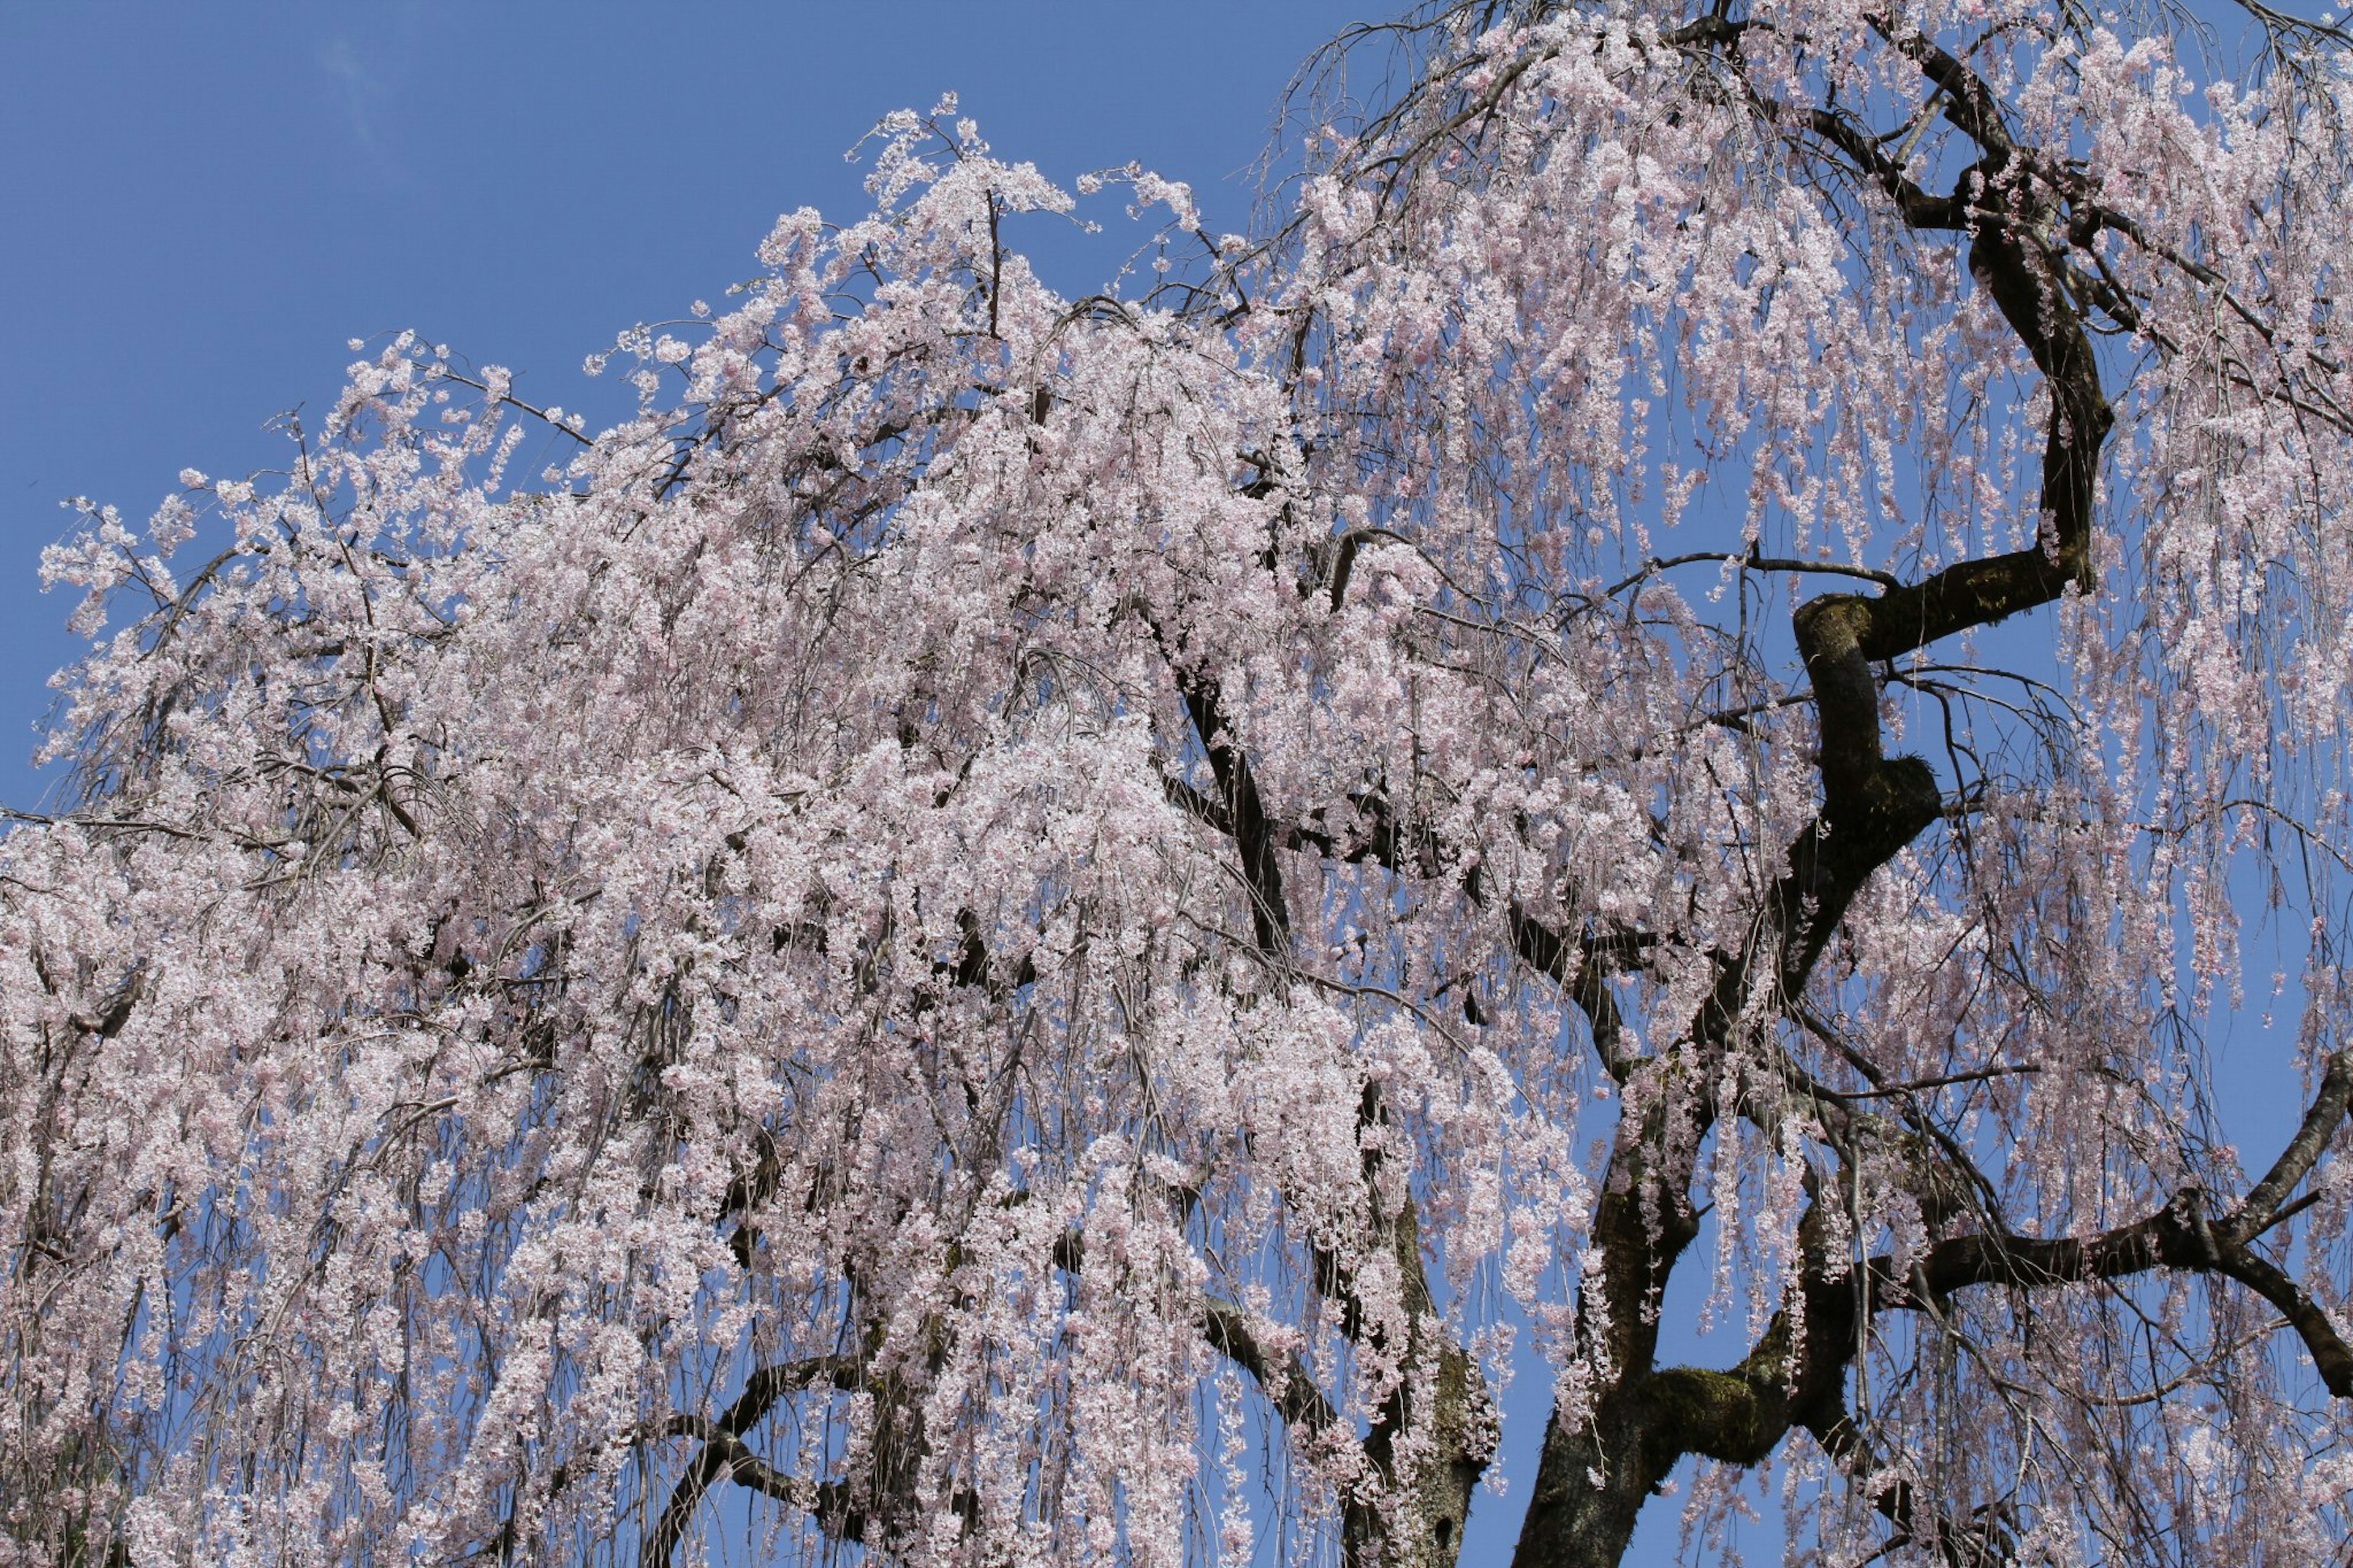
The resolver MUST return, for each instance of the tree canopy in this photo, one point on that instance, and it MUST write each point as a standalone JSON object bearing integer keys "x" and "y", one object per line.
{"x": 1008, "y": 929}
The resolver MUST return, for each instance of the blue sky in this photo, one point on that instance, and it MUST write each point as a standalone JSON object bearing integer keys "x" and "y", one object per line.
{"x": 205, "y": 202}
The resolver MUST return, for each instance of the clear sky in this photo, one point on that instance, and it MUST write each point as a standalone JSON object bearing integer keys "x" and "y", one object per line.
{"x": 204, "y": 202}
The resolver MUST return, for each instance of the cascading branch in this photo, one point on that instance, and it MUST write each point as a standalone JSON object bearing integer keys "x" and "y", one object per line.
{"x": 1009, "y": 929}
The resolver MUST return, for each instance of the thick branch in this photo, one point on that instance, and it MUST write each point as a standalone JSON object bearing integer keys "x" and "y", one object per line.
{"x": 1967, "y": 102}
{"x": 2330, "y": 1356}
{"x": 1919, "y": 209}
{"x": 2329, "y": 1105}
{"x": 1583, "y": 972}
{"x": 1873, "y": 806}
{"x": 1245, "y": 814}
{"x": 724, "y": 1457}
{"x": 2177, "y": 1235}
{"x": 1650, "y": 1418}
{"x": 1288, "y": 1383}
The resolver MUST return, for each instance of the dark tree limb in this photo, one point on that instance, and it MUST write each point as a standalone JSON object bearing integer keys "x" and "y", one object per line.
{"x": 1582, "y": 971}
{"x": 2330, "y": 1103}
{"x": 1963, "y": 99}
{"x": 1593, "y": 1479}
{"x": 1873, "y": 806}
{"x": 1253, "y": 835}
{"x": 723, "y": 1456}
{"x": 1287, "y": 1381}
{"x": 1919, "y": 209}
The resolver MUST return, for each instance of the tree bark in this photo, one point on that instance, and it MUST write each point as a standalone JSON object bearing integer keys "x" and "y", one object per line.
{"x": 1591, "y": 1483}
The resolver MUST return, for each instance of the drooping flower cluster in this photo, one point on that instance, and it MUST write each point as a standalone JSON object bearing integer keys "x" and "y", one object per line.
{"x": 997, "y": 902}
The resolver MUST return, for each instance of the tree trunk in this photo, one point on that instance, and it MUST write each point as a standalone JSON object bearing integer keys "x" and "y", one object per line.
{"x": 1591, "y": 1484}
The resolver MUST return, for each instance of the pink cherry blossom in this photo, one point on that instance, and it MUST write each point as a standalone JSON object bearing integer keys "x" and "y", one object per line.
{"x": 1013, "y": 930}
